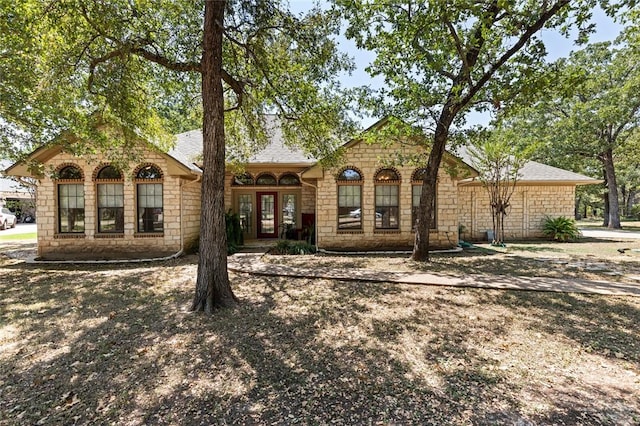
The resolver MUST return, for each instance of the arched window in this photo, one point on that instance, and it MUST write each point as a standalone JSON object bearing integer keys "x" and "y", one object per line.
{"x": 349, "y": 174}
{"x": 109, "y": 172}
{"x": 418, "y": 175}
{"x": 70, "y": 173}
{"x": 289, "y": 179}
{"x": 387, "y": 190}
{"x": 266, "y": 179}
{"x": 349, "y": 182}
{"x": 110, "y": 200}
{"x": 417, "y": 179}
{"x": 242, "y": 179}
{"x": 150, "y": 171}
{"x": 70, "y": 200}
{"x": 149, "y": 197}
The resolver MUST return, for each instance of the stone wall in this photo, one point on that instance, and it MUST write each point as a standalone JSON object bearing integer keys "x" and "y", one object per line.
{"x": 191, "y": 208}
{"x": 369, "y": 159}
{"x": 130, "y": 243}
{"x": 305, "y": 194}
{"x": 530, "y": 205}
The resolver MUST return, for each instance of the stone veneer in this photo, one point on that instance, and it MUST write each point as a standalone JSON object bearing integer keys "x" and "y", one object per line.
{"x": 178, "y": 221}
{"x": 305, "y": 193}
{"x": 530, "y": 205}
{"x": 369, "y": 158}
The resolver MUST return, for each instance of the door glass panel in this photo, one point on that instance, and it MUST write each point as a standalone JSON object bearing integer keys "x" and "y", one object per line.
{"x": 289, "y": 210}
{"x": 267, "y": 205}
{"x": 245, "y": 207}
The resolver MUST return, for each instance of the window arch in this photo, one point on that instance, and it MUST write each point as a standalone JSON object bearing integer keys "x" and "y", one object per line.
{"x": 149, "y": 171}
{"x": 110, "y": 200}
{"x": 266, "y": 179}
{"x": 70, "y": 199}
{"x": 419, "y": 174}
{"x": 387, "y": 175}
{"x": 417, "y": 178}
{"x": 289, "y": 179}
{"x": 349, "y": 182}
{"x": 108, "y": 172}
{"x": 349, "y": 174}
{"x": 149, "y": 199}
{"x": 70, "y": 172}
{"x": 242, "y": 179}
{"x": 387, "y": 199}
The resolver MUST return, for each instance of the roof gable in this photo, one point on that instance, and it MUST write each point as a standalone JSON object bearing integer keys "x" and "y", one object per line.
{"x": 454, "y": 165}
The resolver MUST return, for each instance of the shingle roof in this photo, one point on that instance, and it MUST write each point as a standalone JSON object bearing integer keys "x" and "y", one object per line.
{"x": 533, "y": 171}
{"x": 188, "y": 149}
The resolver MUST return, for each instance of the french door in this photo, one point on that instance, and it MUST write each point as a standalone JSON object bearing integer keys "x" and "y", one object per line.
{"x": 267, "y": 204}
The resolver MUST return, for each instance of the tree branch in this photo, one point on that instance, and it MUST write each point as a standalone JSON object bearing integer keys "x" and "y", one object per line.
{"x": 524, "y": 38}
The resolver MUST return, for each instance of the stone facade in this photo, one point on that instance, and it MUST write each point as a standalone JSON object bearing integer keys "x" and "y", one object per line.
{"x": 368, "y": 159}
{"x": 179, "y": 215}
{"x": 278, "y": 208}
{"x": 285, "y": 217}
{"x": 530, "y": 205}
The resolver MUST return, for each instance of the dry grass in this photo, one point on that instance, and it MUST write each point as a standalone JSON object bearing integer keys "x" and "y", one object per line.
{"x": 99, "y": 345}
{"x": 589, "y": 259}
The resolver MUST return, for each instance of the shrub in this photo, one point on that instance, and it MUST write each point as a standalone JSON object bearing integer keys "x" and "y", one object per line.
{"x": 561, "y": 228}
{"x": 235, "y": 238}
{"x": 293, "y": 247}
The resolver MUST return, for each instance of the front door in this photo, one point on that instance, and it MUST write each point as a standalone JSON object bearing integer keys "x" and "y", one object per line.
{"x": 267, "y": 214}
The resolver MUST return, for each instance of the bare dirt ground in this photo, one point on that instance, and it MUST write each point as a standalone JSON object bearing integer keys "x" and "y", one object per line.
{"x": 116, "y": 345}
{"x": 590, "y": 258}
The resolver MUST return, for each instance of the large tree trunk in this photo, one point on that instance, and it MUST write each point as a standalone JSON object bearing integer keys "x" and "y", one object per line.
{"x": 612, "y": 186}
{"x": 213, "y": 288}
{"x": 421, "y": 242}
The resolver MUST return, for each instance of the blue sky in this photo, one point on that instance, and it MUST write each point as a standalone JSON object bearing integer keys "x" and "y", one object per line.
{"x": 557, "y": 47}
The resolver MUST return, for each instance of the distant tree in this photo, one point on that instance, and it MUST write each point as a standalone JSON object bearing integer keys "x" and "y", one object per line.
{"x": 591, "y": 113}
{"x": 143, "y": 66}
{"x": 440, "y": 59}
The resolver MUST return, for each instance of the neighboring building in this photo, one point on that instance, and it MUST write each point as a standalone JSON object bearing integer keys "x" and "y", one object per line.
{"x": 16, "y": 197}
{"x": 92, "y": 210}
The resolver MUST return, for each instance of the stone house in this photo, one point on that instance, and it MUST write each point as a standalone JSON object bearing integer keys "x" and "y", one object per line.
{"x": 91, "y": 209}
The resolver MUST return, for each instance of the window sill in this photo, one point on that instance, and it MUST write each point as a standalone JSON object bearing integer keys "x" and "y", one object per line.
{"x": 387, "y": 231}
{"x": 431, "y": 230}
{"x": 68, "y": 236}
{"x": 148, "y": 235}
{"x": 350, "y": 231}
{"x": 114, "y": 235}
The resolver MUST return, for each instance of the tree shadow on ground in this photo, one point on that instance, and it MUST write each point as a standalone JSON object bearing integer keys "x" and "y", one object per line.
{"x": 602, "y": 328}
{"x": 98, "y": 345}
{"x": 101, "y": 345}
